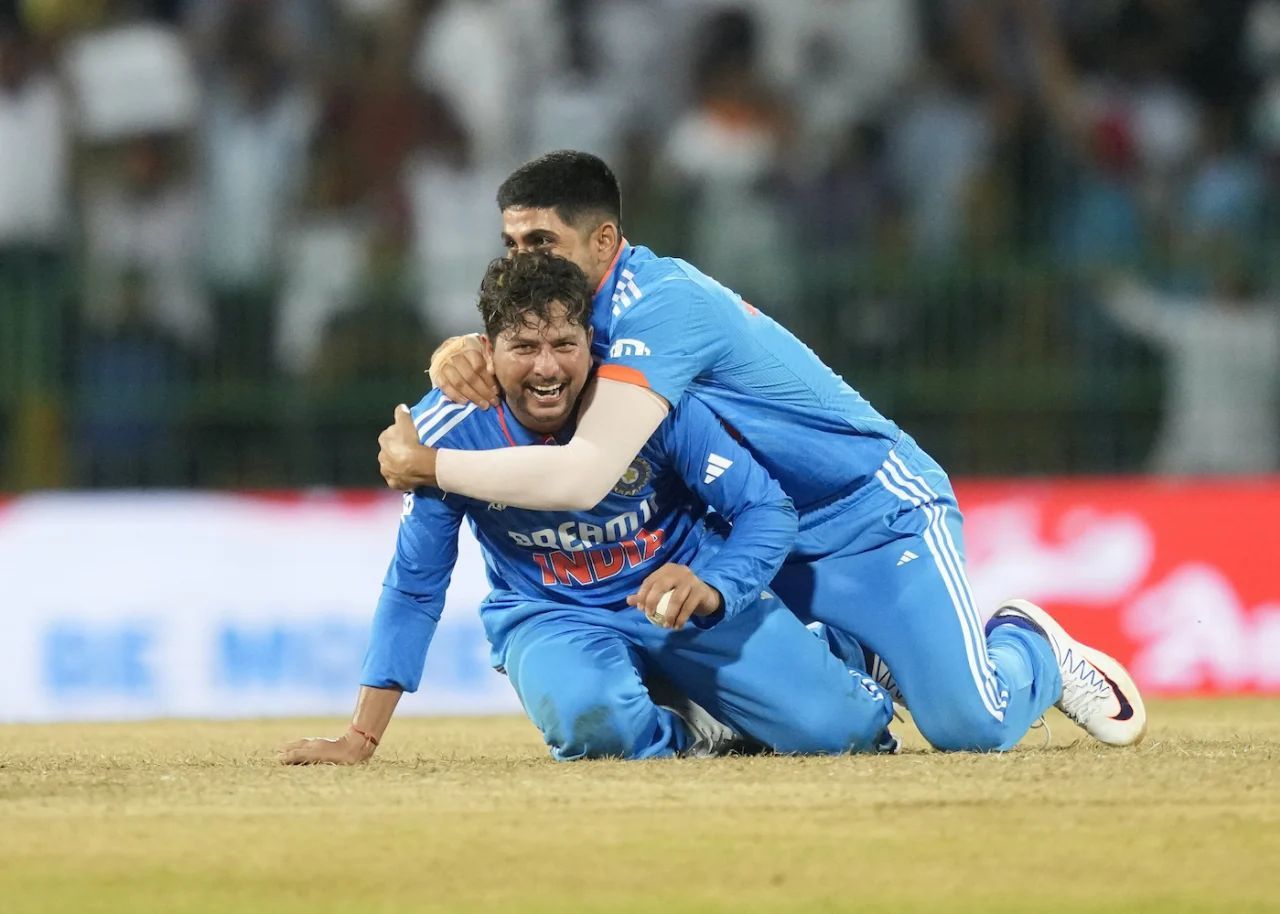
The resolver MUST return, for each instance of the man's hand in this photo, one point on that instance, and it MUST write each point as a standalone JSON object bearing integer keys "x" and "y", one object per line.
{"x": 463, "y": 372}
{"x": 690, "y": 596}
{"x": 405, "y": 464}
{"x": 348, "y": 749}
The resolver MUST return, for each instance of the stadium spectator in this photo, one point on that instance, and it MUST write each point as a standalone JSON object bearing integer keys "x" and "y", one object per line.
{"x": 1222, "y": 350}
{"x": 257, "y": 120}
{"x": 727, "y": 154}
{"x": 131, "y": 381}
{"x": 1224, "y": 189}
{"x": 616, "y": 42}
{"x": 371, "y": 124}
{"x": 325, "y": 250}
{"x": 141, "y": 220}
{"x": 314, "y": 35}
{"x": 447, "y": 189}
{"x": 837, "y": 62}
{"x": 35, "y": 226}
{"x": 483, "y": 55}
{"x": 936, "y": 180}
{"x": 369, "y": 343}
{"x": 132, "y": 76}
{"x": 572, "y": 101}
{"x": 34, "y": 149}
{"x": 848, "y": 215}
{"x": 1005, "y": 145}
{"x": 376, "y": 338}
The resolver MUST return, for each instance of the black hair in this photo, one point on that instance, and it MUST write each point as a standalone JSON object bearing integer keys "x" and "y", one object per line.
{"x": 519, "y": 291}
{"x": 574, "y": 184}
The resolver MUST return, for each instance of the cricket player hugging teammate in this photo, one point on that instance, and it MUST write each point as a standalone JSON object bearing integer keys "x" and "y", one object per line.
{"x": 672, "y": 340}
{"x": 562, "y": 618}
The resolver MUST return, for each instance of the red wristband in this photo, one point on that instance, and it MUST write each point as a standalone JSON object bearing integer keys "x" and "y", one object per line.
{"x": 369, "y": 736}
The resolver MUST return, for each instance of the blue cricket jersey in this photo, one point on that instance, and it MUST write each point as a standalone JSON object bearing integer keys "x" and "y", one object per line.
{"x": 661, "y": 323}
{"x": 656, "y": 514}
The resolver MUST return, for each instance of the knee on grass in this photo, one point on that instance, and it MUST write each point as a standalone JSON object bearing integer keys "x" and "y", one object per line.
{"x": 590, "y": 733}
{"x": 960, "y": 732}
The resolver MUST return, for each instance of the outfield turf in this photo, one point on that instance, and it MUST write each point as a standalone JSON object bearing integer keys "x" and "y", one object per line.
{"x": 468, "y": 814}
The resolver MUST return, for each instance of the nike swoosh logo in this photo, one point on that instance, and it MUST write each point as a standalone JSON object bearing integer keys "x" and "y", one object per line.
{"x": 1126, "y": 709}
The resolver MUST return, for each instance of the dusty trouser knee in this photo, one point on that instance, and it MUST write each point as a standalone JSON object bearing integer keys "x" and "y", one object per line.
{"x": 593, "y": 731}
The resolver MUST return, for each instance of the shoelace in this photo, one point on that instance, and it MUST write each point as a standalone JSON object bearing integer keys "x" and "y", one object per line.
{"x": 1083, "y": 688}
{"x": 883, "y": 676}
{"x": 1043, "y": 724}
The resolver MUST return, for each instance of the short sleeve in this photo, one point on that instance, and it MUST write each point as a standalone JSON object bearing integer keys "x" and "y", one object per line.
{"x": 661, "y": 340}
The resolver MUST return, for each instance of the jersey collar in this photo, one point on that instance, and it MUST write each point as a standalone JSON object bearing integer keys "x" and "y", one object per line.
{"x": 604, "y": 291}
{"x": 517, "y": 435}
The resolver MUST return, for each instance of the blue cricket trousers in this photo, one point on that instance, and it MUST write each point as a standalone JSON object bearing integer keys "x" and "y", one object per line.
{"x": 580, "y": 673}
{"x": 885, "y": 565}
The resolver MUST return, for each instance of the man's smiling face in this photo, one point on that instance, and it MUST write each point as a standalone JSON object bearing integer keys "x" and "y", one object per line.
{"x": 542, "y": 366}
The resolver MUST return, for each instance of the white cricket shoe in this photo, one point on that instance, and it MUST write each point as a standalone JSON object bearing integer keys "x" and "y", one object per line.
{"x": 710, "y": 738}
{"x": 1097, "y": 691}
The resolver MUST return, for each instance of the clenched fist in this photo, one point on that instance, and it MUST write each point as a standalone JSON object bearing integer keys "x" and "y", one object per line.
{"x": 689, "y": 596}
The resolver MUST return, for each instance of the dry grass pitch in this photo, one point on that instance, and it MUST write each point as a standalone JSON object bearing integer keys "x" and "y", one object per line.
{"x": 470, "y": 815}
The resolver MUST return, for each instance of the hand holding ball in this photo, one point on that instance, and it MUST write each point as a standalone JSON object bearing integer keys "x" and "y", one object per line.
{"x": 659, "y": 616}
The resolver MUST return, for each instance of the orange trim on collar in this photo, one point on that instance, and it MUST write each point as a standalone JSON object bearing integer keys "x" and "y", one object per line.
{"x": 617, "y": 255}
{"x": 624, "y": 374}
{"x": 502, "y": 421}
{"x": 506, "y": 432}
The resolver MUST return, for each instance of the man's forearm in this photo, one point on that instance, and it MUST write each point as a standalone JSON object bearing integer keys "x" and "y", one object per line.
{"x": 755, "y": 549}
{"x": 616, "y": 421}
{"x": 403, "y": 626}
{"x": 374, "y": 708}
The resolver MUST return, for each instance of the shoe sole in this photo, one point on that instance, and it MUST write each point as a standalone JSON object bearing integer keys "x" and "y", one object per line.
{"x": 1111, "y": 669}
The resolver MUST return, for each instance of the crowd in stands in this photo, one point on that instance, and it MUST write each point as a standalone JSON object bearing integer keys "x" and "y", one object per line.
{"x": 1039, "y": 233}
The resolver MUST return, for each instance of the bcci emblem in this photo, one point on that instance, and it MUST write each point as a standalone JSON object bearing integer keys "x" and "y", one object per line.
{"x": 635, "y": 478}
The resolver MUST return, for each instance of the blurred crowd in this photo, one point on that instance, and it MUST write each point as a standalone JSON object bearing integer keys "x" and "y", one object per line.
{"x": 1036, "y": 232}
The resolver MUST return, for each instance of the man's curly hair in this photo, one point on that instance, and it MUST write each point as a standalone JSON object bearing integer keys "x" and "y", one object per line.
{"x": 519, "y": 291}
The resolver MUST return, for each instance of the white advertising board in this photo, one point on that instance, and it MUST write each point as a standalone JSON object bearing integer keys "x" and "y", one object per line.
{"x": 117, "y": 606}
{"x": 132, "y": 605}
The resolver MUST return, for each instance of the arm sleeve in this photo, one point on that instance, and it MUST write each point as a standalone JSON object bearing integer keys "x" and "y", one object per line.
{"x": 721, "y": 473}
{"x": 413, "y": 592}
{"x": 616, "y": 421}
{"x": 663, "y": 340}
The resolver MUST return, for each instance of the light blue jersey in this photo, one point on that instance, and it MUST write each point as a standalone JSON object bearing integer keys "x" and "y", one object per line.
{"x": 579, "y": 559}
{"x": 661, "y": 323}
{"x": 580, "y": 659}
{"x": 879, "y": 556}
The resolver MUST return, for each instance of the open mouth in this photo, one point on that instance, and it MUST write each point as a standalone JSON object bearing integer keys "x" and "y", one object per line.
{"x": 547, "y": 393}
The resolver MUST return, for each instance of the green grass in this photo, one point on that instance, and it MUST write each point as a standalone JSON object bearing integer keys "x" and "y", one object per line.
{"x": 469, "y": 814}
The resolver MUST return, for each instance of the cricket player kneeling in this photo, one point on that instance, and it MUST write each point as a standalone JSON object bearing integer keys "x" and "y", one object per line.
{"x": 632, "y": 629}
